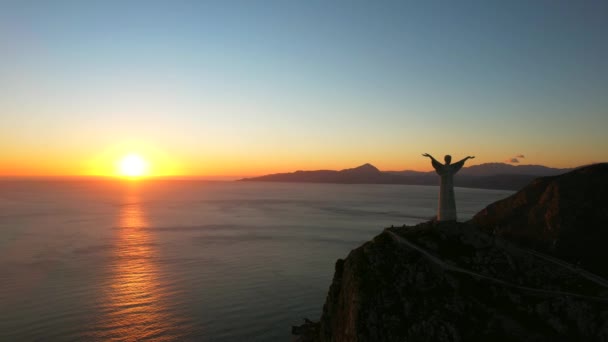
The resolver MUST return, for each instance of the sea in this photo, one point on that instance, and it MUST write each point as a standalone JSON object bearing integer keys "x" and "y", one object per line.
{"x": 167, "y": 260}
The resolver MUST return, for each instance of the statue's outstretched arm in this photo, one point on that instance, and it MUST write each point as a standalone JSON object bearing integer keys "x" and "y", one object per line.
{"x": 465, "y": 159}
{"x": 457, "y": 166}
{"x": 436, "y": 165}
{"x": 429, "y": 156}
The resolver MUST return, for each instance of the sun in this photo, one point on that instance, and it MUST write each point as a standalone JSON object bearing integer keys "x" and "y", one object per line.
{"x": 133, "y": 165}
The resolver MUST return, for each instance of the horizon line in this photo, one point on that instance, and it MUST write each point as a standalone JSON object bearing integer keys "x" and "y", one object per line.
{"x": 230, "y": 177}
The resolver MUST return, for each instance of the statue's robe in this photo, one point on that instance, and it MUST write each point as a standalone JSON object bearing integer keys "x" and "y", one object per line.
{"x": 447, "y": 200}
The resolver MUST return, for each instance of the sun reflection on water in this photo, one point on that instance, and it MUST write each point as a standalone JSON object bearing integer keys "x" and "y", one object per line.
{"x": 135, "y": 307}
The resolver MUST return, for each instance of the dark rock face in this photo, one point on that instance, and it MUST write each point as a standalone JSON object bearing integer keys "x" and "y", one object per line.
{"x": 494, "y": 278}
{"x": 565, "y": 216}
{"x": 450, "y": 282}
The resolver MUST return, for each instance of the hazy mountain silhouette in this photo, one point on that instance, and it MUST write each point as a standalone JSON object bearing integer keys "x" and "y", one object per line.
{"x": 485, "y": 176}
{"x": 365, "y": 173}
{"x": 494, "y": 169}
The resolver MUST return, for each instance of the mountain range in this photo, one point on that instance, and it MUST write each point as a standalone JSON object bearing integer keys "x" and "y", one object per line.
{"x": 484, "y": 176}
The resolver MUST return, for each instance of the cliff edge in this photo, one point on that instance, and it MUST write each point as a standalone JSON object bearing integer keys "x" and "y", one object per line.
{"x": 464, "y": 282}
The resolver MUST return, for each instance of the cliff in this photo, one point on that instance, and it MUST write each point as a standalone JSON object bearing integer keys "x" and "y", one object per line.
{"x": 466, "y": 282}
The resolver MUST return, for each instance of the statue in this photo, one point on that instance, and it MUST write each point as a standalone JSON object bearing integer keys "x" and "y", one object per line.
{"x": 447, "y": 200}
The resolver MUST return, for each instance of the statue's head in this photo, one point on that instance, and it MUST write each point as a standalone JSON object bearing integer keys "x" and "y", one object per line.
{"x": 448, "y": 159}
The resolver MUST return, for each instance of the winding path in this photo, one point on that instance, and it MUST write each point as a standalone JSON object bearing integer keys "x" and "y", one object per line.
{"x": 584, "y": 273}
{"x": 453, "y": 268}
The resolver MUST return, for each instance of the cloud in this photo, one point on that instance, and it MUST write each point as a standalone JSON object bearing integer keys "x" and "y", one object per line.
{"x": 515, "y": 159}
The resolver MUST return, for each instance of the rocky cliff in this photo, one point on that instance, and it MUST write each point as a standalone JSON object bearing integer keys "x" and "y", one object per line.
{"x": 462, "y": 282}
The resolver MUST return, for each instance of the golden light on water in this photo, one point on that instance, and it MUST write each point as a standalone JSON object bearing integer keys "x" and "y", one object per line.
{"x": 135, "y": 304}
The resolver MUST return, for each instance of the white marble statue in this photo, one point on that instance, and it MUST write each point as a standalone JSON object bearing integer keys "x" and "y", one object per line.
{"x": 447, "y": 200}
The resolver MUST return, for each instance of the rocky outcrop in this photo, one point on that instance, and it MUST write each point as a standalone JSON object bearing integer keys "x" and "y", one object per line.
{"x": 449, "y": 281}
{"x": 565, "y": 216}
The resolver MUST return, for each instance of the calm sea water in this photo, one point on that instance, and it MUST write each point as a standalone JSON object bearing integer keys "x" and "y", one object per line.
{"x": 184, "y": 260}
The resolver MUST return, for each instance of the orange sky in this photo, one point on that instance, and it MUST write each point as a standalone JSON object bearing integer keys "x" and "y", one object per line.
{"x": 235, "y": 165}
{"x": 213, "y": 89}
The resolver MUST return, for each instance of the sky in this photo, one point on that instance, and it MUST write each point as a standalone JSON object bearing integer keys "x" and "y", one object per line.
{"x": 243, "y": 88}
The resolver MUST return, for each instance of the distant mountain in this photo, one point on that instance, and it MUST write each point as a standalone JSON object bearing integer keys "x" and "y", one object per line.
{"x": 485, "y": 176}
{"x": 494, "y": 169}
{"x": 365, "y": 173}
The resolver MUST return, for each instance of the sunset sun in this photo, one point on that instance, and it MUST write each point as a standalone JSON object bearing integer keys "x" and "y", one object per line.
{"x": 133, "y": 165}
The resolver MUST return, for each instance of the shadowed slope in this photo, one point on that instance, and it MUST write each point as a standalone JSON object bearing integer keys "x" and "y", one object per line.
{"x": 565, "y": 216}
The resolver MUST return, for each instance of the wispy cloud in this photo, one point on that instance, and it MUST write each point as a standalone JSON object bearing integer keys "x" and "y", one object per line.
{"x": 515, "y": 159}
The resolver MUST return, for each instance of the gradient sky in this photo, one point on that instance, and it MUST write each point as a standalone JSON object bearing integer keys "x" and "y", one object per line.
{"x": 245, "y": 88}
